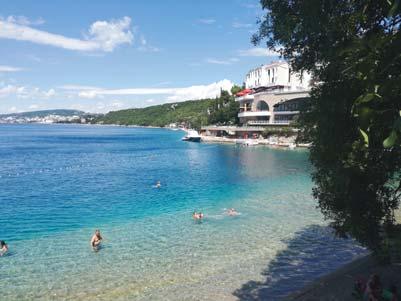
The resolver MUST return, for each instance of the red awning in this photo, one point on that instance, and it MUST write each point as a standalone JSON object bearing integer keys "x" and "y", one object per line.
{"x": 244, "y": 92}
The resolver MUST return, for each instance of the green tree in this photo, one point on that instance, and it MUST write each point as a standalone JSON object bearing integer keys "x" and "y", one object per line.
{"x": 225, "y": 111}
{"x": 353, "y": 50}
{"x": 235, "y": 89}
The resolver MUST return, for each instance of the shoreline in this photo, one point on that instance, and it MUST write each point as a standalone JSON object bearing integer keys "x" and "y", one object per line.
{"x": 263, "y": 142}
{"x": 339, "y": 284}
{"x": 287, "y": 144}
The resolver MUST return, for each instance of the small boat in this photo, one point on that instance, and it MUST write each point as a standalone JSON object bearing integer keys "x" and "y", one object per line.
{"x": 192, "y": 136}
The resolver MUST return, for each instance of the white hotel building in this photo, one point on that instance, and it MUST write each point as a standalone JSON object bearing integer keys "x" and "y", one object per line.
{"x": 272, "y": 95}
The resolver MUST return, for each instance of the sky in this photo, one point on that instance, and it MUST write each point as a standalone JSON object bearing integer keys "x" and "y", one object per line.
{"x": 100, "y": 56}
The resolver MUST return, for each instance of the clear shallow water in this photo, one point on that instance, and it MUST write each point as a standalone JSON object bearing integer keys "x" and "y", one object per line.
{"x": 58, "y": 183}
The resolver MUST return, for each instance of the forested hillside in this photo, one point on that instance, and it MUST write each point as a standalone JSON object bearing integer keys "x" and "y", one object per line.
{"x": 194, "y": 113}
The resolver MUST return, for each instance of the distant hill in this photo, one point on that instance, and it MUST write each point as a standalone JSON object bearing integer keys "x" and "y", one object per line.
{"x": 44, "y": 113}
{"x": 193, "y": 112}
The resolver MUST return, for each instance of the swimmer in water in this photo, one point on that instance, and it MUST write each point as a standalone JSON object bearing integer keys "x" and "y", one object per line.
{"x": 232, "y": 212}
{"x": 158, "y": 184}
{"x": 197, "y": 215}
{"x": 96, "y": 240}
{"x": 3, "y": 247}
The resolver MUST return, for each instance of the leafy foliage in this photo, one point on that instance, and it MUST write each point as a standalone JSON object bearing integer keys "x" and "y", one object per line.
{"x": 225, "y": 110}
{"x": 353, "y": 50}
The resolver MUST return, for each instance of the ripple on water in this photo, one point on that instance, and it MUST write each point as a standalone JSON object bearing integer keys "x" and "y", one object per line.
{"x": 65, "y": 181}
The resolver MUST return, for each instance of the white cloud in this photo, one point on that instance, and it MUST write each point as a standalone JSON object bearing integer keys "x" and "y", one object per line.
{"x": 13, "y": 109}
{"x": 9, "y": 69}
{"x": 201, "y": 91}
{"x": 222, "y": 62}
{"x": 173, "y": 94}
{"x": 22, "y": 20}
{"x": 108, "y": 35}
{"x": 241, "y": 25}
{"x": 258, "y": 51}
{"x": 8, "y": 90}
{"x": 49, "y": 93}
{"x": 33, "y": 107}
{"x": 102, "y": 35}
{"x": 100, "y": 106}
{"x": 24, "y": 92}
{"x": 207, "y": 21}
{"x": 116, "y": 104}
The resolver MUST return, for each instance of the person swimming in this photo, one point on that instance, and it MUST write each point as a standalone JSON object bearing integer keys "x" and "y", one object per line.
{"x": 158, "y": 184}
{"x": 96, "y": 240}
{"x": 232, "y": 212}
{"x": 3, "y": 247}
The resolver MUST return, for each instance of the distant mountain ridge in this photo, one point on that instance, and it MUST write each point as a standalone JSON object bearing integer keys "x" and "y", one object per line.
{"x": 44, "y": 113}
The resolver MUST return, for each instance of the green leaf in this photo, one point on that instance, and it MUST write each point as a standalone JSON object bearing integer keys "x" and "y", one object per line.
{"x": 367, "y": 97}
{"x": 365, "y": 115}
{"x": 365, "y": 137}
{"x": 390, "y": 140}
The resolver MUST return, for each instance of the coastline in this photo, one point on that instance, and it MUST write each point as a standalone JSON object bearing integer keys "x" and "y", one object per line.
{"x": 281, "y": 142}
{"x": 339, "y": 285}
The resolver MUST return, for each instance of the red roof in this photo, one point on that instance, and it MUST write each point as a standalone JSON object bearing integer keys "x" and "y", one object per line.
{"x": 244, "y": 92}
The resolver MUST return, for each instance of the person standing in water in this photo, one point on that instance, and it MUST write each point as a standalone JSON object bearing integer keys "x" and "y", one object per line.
{"x": 3, "y": 247}
{"x": 96, "y": 240}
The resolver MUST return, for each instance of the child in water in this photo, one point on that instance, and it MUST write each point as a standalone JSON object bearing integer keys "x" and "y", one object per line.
{"x": 96, "y": 240}
{"x": 3, "y": 247}
{"x": 197, "y": 215}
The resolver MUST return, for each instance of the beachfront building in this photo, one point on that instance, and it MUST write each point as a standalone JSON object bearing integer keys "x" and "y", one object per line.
{"x": 273, "y": 95}
{"x": 272, "y": 98}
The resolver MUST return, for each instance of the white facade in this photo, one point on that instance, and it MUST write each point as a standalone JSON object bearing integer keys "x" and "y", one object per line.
{"x": 277, "y": 74}
{"x": 276, "y": 95}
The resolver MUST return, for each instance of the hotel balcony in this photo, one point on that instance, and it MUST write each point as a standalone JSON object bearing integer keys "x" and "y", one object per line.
{"x": 286, "y": 112}
{"x": 245, "y": 109}
{"x": 284, "y": 122}
{"x": 254, "y": 114}
{"x": 258, "y": 122}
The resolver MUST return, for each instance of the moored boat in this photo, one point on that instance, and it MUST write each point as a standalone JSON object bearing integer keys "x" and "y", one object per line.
{"x": 192, "y": 136}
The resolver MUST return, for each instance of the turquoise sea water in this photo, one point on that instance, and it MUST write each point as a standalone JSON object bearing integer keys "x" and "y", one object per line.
{"x": 60, "y": 182}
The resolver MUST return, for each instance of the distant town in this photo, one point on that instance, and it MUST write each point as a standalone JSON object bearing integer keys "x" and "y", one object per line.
{"x": 49, "y": 116}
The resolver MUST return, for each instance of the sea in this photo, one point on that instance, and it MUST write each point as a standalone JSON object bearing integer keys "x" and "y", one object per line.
{"x": 58, "y": 183}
